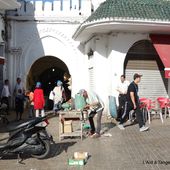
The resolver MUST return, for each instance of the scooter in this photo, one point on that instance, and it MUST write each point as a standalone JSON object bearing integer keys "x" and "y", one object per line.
{"x": 29, "y": 137}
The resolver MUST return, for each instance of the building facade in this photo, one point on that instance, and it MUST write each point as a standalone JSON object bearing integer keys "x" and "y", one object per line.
{"x": 4, "y": 5}
{"x": 93, "y": 41}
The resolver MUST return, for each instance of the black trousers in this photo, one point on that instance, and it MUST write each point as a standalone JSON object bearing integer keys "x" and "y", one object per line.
{"x": 139, "y": 116}
{"x": 6, "y": 101}
{"x": 91, "y": 116}
{"x": 122, "y": 100}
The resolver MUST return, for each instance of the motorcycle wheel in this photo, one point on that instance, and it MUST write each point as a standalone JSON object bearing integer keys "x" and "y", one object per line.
{"x": 45, "y": 153}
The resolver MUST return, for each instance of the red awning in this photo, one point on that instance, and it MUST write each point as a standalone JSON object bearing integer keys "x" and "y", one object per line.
{"x": 162, "y": 46}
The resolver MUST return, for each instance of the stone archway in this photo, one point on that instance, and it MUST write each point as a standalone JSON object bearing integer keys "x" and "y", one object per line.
{"x": 48, "y": 70}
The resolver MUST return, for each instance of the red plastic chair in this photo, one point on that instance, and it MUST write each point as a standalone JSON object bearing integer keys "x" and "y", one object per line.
{"x": 144, "y": 107}
{"x": 163, "y": 102}
{"x": 150, "y": 107}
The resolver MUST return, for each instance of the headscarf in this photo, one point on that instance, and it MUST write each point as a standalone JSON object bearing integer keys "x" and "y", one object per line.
{"x": 38, "y": 85}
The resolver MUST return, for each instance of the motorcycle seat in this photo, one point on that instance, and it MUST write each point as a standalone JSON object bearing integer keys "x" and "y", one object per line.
{"x": 3, "y": 145}
{"x": 14, "y": 127}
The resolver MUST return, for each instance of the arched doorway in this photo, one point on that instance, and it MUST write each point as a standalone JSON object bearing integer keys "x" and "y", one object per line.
{"x": 48, "y": 70}
{"x": 142, "y": 58}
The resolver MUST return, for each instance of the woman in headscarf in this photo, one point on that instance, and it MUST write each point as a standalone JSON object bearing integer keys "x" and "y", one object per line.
{"x": 38, "y": 100}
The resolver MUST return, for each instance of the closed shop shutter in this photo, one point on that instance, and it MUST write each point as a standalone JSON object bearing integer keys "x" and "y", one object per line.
{"x": 153, "y": 84}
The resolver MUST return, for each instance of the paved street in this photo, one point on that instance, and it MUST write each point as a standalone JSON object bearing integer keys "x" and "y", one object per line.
{"x": 124, "y": 150}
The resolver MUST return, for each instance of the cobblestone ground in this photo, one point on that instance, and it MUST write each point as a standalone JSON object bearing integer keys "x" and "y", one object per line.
{"x": 124, "y": 150}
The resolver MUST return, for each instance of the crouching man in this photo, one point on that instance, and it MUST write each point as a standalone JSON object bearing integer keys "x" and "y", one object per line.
{"x": 94, "y": 106}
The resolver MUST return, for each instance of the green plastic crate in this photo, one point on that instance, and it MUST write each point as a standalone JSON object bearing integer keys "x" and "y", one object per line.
{"x": 73, "y": 161}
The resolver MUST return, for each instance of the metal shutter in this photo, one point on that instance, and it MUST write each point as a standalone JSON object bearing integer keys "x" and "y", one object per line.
{"x": 153, "y": 84}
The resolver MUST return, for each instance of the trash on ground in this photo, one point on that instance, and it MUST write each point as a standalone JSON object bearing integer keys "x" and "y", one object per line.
{"x": 79, "y": 158}
{"x": 107, "y": 135}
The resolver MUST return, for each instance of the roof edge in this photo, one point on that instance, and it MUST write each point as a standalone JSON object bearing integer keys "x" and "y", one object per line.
{"x": 118, "y": 20}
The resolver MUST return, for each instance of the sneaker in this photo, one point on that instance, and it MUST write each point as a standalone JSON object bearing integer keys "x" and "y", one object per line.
{"x": 95, "y": 135}
{"x": 143, "y": 128}
{"x": 121, "y": 127}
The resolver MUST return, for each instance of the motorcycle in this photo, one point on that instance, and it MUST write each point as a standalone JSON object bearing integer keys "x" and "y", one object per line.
{"x": 29, "y": 137}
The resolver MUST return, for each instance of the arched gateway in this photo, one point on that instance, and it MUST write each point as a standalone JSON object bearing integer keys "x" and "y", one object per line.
{"x": 46, "y": 56}
{"x": 47, "y": 70}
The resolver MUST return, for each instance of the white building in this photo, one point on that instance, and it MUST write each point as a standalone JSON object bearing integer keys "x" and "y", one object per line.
{"x": 50, "y": 37}
{"x": 4, "y": 5}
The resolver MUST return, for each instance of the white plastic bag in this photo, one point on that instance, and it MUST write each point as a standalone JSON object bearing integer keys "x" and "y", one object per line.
{"x": 51, "y": 96}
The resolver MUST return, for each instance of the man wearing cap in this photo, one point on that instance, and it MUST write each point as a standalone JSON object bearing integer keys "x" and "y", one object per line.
{"x": 133, "y": 103}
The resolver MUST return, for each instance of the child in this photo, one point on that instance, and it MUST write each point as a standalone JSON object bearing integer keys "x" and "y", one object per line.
{"x": 30, "y": 95}
{"x": 19, "y": 104}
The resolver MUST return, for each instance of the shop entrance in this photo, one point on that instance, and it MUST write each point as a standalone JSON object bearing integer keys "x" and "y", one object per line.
{"x": 142, "y": 58}
{"x": 48, "y": 70}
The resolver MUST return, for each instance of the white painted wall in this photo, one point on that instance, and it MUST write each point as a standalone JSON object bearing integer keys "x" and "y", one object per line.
{"x": 119, "y": 44}
{"x": 109, "y": 55}
{"x": 1, "y": 28}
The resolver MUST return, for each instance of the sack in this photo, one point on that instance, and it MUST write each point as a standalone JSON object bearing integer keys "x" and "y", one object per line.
{"x": 51, "y": 96}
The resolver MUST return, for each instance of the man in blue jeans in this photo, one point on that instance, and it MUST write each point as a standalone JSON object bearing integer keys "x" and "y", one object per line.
{"x": 94, "y": 106}
{"x": 133, "y": 103}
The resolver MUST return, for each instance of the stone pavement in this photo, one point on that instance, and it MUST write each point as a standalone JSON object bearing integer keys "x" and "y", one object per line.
{"x": 124, "y": 150}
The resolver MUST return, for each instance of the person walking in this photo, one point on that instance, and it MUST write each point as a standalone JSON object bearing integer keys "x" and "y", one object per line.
{"x": 5, "y": 95}
{"x": 122, "y": 89}
{"x": 94, "y": 106}
{"x": 133, "y": 103}
{"x": 58, "y": 95}
{"x": 39, "y": 101}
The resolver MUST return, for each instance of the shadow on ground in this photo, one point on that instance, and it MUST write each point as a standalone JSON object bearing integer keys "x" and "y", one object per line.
{"x": 56, "y": 149}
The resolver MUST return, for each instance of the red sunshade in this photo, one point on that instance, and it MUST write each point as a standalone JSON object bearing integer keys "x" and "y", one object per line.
{"x": 162, "y": 46}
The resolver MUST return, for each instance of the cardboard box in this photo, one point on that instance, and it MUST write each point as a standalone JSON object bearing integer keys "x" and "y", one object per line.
{"x": 68, "y": 127}
{"x": 81, "y": 155}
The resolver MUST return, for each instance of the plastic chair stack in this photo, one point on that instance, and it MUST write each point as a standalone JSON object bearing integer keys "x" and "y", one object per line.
{"x": 150, "y": 107}
{"x": 144, "y": 105}
{"x": 164, "y": 104}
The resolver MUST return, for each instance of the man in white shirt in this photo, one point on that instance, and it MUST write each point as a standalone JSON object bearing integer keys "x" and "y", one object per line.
{"x": 5, "y": 94}
{"x": 122, "y": 89}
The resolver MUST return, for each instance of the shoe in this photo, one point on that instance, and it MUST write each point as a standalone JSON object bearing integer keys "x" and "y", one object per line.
{"x": 95, "y": 135}
{"x": 121, "y": 127}
{"x": 90, "y": 133}
{"x": 143, "y": 128}
{"x": 118, "y": 119}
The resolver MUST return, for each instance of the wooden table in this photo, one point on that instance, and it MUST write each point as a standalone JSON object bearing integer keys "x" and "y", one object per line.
{"x": 74, "y": 116}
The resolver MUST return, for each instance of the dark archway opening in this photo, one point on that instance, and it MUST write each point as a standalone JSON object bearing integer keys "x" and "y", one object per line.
{"x": 48, "y": 70}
